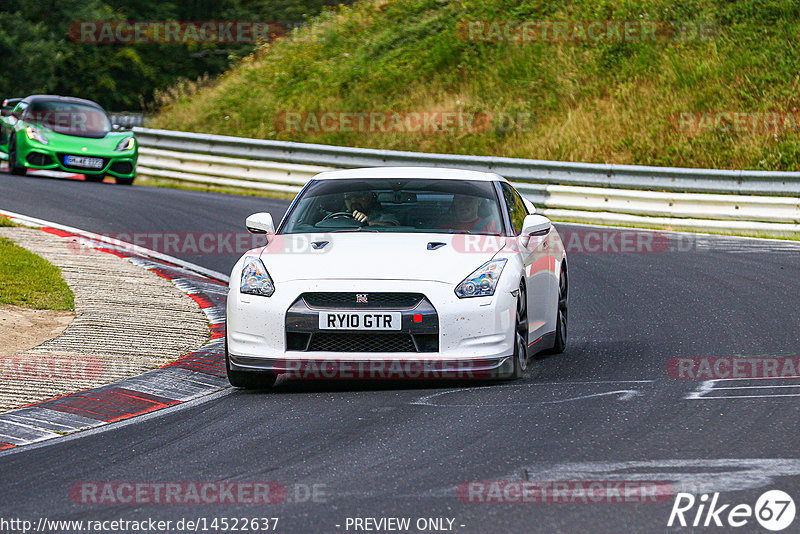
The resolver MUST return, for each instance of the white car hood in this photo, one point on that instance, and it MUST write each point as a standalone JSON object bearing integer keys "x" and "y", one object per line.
{"x": 377, "y": 256}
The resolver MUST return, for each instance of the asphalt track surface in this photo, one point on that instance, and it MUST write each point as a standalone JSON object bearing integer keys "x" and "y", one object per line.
{"x": 606, "y": 410}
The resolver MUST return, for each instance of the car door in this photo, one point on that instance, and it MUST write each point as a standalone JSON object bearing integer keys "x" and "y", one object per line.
{"x": 538, "y": 269}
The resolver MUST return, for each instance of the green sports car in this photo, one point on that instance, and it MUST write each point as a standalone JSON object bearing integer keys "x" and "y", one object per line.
{"x": 66, "y": 134}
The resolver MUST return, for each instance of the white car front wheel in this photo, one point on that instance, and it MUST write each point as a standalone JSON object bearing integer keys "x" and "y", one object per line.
{"x": 247, "y": 379}
{"x": 520, "y": 335}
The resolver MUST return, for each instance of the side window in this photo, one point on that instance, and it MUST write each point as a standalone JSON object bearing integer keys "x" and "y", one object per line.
{"x": 20, "y": 109}
{"x": 516, "y": 207}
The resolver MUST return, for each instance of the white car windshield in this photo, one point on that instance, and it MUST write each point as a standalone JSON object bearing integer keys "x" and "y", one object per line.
{"x": 397, "y": 205}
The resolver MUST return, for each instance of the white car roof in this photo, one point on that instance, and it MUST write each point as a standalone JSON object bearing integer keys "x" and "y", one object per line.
{"x": 410, "y": 172}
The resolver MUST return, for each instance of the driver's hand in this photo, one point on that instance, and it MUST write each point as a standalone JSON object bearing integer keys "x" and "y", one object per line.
{"x": 360, "y": 217}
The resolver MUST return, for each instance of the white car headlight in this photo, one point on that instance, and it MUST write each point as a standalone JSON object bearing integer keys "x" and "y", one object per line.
{"x": 483, "y": 281}
{"x": 33, "y": 133}
{"x": 126, "y": 144}
{"x": 255, "y": 278}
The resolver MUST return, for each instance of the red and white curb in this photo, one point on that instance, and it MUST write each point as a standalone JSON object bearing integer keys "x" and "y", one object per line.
{"x": 194, "y": 375}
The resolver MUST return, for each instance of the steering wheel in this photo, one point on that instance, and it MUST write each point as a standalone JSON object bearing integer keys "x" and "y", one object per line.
{"x": 338, "y": 215}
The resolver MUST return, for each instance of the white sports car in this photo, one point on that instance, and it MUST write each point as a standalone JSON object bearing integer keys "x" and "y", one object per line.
{"x": 398, "y": 272}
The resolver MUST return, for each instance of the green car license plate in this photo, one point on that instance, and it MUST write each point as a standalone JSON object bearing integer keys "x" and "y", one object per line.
{"x": 83, "y": 161}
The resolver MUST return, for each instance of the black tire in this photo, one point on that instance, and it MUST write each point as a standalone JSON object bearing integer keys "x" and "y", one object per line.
{"x": 13, "y": 167}
{"x": 560, "y": 341}
{"x": 247, "y": 380}
{"x": 95, "y": 177}
{"x": 521, "y": 335}
{"x": 124, "y": 181}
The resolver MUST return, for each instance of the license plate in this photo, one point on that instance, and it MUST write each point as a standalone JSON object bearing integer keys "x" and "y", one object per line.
{"x": 83, "y": 161}
{"x": 360, "y": 320}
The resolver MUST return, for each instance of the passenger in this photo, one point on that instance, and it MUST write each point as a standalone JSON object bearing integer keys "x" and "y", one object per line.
{"x": 464, "y": 216}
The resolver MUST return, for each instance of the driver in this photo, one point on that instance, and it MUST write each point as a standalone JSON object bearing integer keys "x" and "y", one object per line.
{"x": 366, "y": 209}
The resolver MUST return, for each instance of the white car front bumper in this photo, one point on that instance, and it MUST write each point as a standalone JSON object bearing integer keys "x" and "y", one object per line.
{"x": 473, "y": 335}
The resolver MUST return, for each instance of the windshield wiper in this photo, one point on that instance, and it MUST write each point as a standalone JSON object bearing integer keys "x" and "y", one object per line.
{"x": 354, "y": 229}
{"x": 470, "y": 232}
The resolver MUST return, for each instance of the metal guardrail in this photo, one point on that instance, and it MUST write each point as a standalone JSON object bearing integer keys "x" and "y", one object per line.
{"x": 127, "y": 119}
{"x": 524, "y": 170}
{"x": 761, "y": 202}
{"x": 222, "y": 171}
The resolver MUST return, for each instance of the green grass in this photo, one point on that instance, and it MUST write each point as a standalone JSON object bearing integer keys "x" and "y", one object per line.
{"x": 30, "y": 281}
{"x": 5, "y": 222}
{"x": 594, "y": 102}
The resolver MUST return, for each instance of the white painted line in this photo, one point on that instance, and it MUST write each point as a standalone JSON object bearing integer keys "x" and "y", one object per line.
{"x": 26, "y": 433}
{"x": 752, "y": 396}
{"x": 761, "y": 387}
{"x": 686, "y": 474}
{"x": 625, "y": 394}
{"x": 11, "y": 440}
{"x": 709, "y": 387}
{"x": 48, "y": 419}
{"x": 42, "y": 424}
{"x": 24, "y": 425}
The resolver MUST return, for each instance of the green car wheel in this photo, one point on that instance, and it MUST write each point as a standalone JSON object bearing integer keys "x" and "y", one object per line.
{"x": 13, "y": 166}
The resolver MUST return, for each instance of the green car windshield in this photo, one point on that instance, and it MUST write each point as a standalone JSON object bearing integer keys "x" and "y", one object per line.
{"x": 69, "y": 118}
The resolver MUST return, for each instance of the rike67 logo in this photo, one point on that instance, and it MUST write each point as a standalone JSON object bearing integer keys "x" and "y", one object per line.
{"x": 774, "y": 510}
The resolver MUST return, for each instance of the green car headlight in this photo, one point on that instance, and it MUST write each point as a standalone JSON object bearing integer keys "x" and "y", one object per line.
{"x": 126, "y": 144}
{"x": 33, "y": 133}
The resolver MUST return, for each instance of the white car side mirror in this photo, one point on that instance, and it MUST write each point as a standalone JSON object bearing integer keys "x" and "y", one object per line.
{"x": 260, "y": 223}
{"x": 536, "y": 225}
